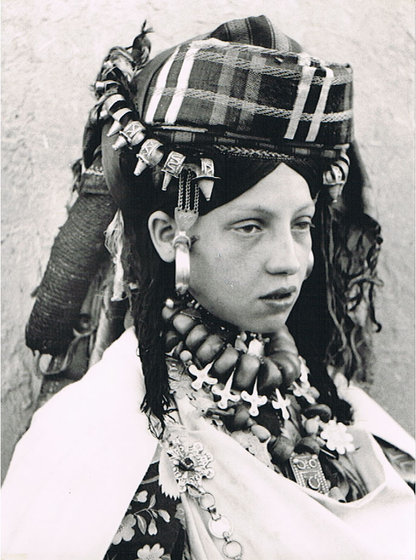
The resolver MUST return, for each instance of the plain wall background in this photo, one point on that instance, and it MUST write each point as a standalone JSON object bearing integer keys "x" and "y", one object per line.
{"x": 52, "y": 50}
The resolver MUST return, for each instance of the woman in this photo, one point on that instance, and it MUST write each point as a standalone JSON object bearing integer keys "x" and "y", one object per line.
{"x": 226, "y": 156}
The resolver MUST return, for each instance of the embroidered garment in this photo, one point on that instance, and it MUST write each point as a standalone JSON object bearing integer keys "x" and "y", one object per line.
{"x": 153, "y": 526}
{"x": 77, "y": 469}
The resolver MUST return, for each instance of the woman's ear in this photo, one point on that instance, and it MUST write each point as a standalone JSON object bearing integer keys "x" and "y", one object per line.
{"x": 162, "y": 229}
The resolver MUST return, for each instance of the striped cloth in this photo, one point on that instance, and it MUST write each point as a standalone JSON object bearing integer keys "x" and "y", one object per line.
{"x": 251, "y": 80}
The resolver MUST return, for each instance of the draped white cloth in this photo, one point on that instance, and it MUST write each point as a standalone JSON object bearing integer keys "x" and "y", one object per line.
{"x": 75, "y": 472}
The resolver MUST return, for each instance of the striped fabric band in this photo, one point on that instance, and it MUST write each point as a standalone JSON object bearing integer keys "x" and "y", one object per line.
{"x": 319, "y": 111}
{"x": 235, "y": 144}
{"x": 208, "y": 54}
{"x": 181, "y": 86}
{"x": 255, "y": 108}
{"x": 302, "y": 94}
{"x": 160, "y": 85}
{"x": 251, "y": 90}
{"x": 230, "y": 61}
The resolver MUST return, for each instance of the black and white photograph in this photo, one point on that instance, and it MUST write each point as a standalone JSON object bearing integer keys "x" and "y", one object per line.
{"x": 208, "y": 288}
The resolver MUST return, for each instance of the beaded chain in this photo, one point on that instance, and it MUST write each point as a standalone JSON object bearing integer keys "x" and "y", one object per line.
{"x": 191, "y": 463}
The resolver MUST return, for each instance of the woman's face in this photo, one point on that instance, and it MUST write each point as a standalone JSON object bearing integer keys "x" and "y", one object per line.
{"x": 251, "y": 254}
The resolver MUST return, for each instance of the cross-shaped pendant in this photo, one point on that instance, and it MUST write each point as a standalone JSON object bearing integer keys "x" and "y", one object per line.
{"x": 304, "y": 372}
{"x": 281, "y": 404}
{"x": 226, "y": 394}
{"x": 254, "y": 399}
{"x": 201, "y": 376}
{"x": 302, "y": 390}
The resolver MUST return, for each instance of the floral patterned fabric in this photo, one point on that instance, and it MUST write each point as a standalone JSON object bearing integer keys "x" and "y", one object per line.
{"x": 153, "y": 526}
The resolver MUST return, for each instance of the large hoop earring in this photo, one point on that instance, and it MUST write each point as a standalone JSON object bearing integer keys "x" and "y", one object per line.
{"x": 182, "y": 244}
{"x": 309, "y": 268}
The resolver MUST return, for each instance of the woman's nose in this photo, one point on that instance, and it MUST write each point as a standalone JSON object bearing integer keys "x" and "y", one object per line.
{"x": 282, "y": 257}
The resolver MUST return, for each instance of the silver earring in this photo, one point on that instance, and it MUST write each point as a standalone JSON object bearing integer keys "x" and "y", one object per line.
{"x": 309, "y": 268}
{"x": 185, "y": 218}
{"x": 182, "y": 244}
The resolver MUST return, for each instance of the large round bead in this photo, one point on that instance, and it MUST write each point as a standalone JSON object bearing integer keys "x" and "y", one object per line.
{"x": 226, "y": 362}
{"x": 168, "y": 313}
{"x": 196, "y": 337}
{"x": 308, "y": 444}
{"x": 209, "y": 349}
{"x": 246, "y": 372}
{"x": 281, "y": 449}
{"x": 321, "y": 410}
{"x": 270, "y": 377}
{"x": 183, "y": 323}
{"x": 260, "y": 432}
{"x": 171, "y": 340}
{"x": 240, "y": 418}
{"x": 288, "y": 364}
{"x": 282, "y": 341}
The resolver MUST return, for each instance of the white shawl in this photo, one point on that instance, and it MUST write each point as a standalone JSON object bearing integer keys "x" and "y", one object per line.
{"x": 75, "y": 471}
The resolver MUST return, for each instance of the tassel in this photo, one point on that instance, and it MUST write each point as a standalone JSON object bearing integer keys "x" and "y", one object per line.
{"x": 141, "y": 46}
{"x": 114, "y": 244}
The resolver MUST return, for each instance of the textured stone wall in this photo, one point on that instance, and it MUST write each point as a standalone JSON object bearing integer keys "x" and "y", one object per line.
{"x": 52, "y": 50}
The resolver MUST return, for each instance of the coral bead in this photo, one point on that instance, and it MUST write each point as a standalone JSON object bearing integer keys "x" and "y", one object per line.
{"x": 260, "y": 432}
{"x": 321, "y": 410}
{"x": 226, "y": 362}
{"x": 288, "y": 364}
{"x": 246, "y": 372}
{"x": 241, "y": 418}
{"x": 270, "y": 376}
{"x": 308, "y": 444}
{"x": 168, "y": 313}
{"x": 196, "y": 337}
{"x": 312, "y": 425}
{"x": 281, "y": 449}
{"x": 209, "y": 349}
{"x": 171, "y": 340}
{"x": 183, "y": 323}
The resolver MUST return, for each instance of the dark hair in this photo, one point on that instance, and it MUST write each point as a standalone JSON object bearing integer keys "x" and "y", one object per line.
{"x": 324, "y": 322}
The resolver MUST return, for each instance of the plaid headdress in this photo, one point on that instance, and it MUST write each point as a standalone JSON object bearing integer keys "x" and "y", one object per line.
{"x": 245, "y": 89}
{"x": 265, "y": 89}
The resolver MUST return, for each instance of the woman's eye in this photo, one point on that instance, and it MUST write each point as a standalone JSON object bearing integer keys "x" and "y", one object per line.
{"x": 248, "y": 228}
{"x": 303, "y": 225}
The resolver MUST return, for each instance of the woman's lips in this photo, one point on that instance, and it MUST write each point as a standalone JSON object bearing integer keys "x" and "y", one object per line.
{"x": 280, "y": 294}
{"x": 281, "y": 299}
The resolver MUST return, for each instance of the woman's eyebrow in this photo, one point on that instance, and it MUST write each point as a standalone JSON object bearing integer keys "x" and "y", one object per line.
{"x": 265, "y": 211}
{"x": 305, "y": 207}
{"x": 250, "y": 208}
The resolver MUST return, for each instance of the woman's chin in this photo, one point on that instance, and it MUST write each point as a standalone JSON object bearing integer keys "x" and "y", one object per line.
{"x": 266, "y": 319}
{"x": 264, "y": 325}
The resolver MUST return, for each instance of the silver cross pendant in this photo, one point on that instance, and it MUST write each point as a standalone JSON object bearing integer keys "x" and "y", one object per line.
{"x": 226, "y": 394}
{"x": 254, "y": 399}
{"x": 281, "y": 404}
{"x": 303, "y": 390}
{"x": 201, "y": 376}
